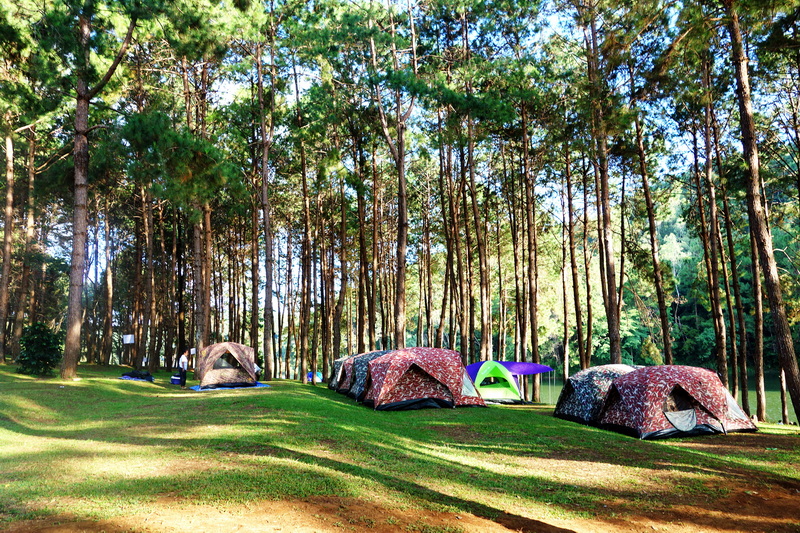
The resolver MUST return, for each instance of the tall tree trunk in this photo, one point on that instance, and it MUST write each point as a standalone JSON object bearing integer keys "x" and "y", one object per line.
{"x": 716, "y": 301}
{"x": 564, "y": 297}
{"x": 364, "y": 292}
{"x": 305, "y": 260}
{"x": 180, "y": 287}
{"x": 533, "y": 266}
{"x": 426, "y": 237}
{"x": 289, "y": 305}
{"x": 734, "y": 382}
{"x": 517, "y": 243}
{"x": 448, "y": 236}
{"x": 84, "y": 95}
{"x": 325, "y": 278}
{"x": 8, "y": 229}
{"x": 254, "y": 279}
{"x": 600, "y": 145}
{"x": 737, "y": 295}
{"x": 586, "y": 263}
{"x": 316, "y": 297}
{"x": 267, "y": 134}
{"x": 469, "y": 293}
{"x": 502, "y": 326}
{"x": 658, "y": 280}
{"x": 138, "y": 295}
{"x": 483, "y": 258}
{"x": 207, "y": 271}
{"x": 108, "y": 291}
{"x": 461, "y": 281}
{"x": 622, "y": 239}
{"x": 149, "y": 303}
{"x": 169, "y": 289}
{"x": 197, "y": 285}
{"x": 397, "y": 146}
{"x": 340, "y": 303}
{"x": 758, "y": 329}
{"x": 371, "y": 312}
{"x": 709, "y": 256}
{"x": 26, "y": 286}
{"x": 757, "y": 212}
{"x": 573, "y": 259}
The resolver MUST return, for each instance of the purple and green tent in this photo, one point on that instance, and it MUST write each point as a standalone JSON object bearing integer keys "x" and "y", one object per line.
{"x": 498, "y": 381}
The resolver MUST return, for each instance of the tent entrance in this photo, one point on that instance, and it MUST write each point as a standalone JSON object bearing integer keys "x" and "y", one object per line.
{"x": 681, "y": 409}
{"x": 226, "y": 360}
{"x": 417, "y": 389}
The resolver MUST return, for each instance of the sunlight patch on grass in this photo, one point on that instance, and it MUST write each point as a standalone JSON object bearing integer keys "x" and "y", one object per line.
{"x": 109, "y": 447}
{"x": 779, "y": 429}
{"x": 21, "y": 410}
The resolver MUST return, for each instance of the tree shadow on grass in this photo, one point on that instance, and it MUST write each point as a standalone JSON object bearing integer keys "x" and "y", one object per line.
{"x": 378, "y": 447}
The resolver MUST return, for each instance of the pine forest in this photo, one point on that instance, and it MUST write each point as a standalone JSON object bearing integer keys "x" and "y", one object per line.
{"x": 569, "y": 182}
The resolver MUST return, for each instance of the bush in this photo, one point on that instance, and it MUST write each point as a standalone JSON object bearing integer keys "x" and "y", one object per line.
{"x": 41, "y": 350}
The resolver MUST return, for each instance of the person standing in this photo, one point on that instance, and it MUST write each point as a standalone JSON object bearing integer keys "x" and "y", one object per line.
{"x": 183, "y": 366}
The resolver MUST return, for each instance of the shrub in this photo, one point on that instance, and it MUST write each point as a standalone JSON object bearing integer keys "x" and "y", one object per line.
{"x": 41, "y": 350}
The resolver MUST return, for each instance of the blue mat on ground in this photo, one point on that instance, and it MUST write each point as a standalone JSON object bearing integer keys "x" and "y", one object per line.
{"x": 136, "y": 379}
{"x": 257, "y": 385}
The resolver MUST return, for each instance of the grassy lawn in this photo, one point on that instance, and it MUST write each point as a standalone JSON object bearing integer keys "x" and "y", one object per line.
{"x": 100, "y": 448}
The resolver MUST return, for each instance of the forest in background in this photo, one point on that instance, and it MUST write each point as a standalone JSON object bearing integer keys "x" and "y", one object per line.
{"x": 573, "y": 182}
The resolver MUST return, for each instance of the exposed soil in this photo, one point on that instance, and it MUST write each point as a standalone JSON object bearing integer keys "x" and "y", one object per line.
{"x": 740, "y": 502}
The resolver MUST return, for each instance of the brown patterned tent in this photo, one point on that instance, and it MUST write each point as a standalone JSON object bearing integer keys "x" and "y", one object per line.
{"x": 226, "y": 364}
{"x": 662, "y": 401}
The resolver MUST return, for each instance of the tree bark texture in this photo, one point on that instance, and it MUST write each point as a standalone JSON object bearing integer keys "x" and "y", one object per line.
{"x": 757, "y": 212}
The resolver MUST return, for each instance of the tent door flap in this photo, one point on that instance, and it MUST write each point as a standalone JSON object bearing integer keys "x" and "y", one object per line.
{"x": 685, "y": 420}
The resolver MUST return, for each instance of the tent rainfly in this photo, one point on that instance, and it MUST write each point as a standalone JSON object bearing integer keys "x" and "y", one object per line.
{"x": 226, "y": 364}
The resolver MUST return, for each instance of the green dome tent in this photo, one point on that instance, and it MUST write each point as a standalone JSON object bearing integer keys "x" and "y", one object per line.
{"x": 495, "y": 382}
{"x": 498, "y": 382}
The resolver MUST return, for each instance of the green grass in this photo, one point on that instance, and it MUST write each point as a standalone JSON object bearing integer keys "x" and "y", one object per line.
{"x": 101, "y": 447}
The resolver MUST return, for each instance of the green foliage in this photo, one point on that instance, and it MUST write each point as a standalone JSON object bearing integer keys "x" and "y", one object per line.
{"x": 650, "y": 354}
{"x": 41, "y": 350}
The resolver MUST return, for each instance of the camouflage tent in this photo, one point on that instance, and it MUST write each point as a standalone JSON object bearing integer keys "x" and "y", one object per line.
{"x": 416, "y": 378}
{"x": 336, "y": 376}
{"x": 226, "y": 364}
{"x": 358, "y": 389}
{"x": 584, "y": 394}
{"x": 671, "y": 401}
{"x": 346, "y": 378}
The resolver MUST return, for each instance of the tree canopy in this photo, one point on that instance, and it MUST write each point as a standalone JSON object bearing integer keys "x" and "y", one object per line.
{"x": 570, "y": 181}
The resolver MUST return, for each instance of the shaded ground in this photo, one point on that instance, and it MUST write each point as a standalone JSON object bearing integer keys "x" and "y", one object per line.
{"x": 737, "y": 500}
